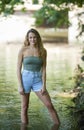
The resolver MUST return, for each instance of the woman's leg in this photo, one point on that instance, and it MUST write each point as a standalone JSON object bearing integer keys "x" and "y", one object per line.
{"x": 47, "y": 102}
{"x": 24, "y": 108}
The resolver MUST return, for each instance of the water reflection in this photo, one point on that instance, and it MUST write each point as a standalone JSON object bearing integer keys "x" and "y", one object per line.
{"x": 54, "y": 127}
{"x": 25, "y": 127}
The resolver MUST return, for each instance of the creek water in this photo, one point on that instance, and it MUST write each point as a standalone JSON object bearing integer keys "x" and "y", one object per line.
{"x": 61, "y": 62}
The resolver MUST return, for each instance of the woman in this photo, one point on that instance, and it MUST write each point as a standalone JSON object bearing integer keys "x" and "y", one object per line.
{"x": 32, "y": 58}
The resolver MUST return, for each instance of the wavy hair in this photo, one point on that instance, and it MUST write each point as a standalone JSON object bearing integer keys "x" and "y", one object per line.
{"x": 39, "y": 41}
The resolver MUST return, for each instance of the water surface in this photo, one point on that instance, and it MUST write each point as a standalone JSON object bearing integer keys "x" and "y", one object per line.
{"x": 61, "y": 62}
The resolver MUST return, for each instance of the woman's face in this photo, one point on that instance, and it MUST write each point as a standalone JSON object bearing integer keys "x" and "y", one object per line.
{"x": 32, "y": 38}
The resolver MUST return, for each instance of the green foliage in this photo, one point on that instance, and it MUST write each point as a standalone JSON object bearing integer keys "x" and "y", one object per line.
{"x": 78, "y": 108}
{"x": 79, "y": 101}
{"x": 47, "y": 16}
{"x": 7, "y": 6}
{"x": 80, "y": 24}
{"x": 35, "y": 1}
{"x": 60, "y": 2}
{"x": 52, "y": 14}
{"x": 78, "y": 78}
{"x": 79, "y": 83}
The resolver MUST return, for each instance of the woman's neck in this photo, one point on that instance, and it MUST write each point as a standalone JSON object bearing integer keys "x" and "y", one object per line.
{"x": 33, "y": 46}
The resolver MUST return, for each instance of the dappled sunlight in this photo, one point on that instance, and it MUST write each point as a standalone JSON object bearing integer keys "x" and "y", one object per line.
{"x": 67, "y": 94}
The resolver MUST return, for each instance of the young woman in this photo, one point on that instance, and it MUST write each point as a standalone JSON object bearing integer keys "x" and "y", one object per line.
{"x": 31, "y": 73}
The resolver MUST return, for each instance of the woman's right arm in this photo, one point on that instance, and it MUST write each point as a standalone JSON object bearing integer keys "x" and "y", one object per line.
{"x": 19, "y": 68}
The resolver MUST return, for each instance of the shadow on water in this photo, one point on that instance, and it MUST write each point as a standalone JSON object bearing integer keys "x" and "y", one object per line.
{"x": 24, "y": 127}
{"x": 61, "y": 63}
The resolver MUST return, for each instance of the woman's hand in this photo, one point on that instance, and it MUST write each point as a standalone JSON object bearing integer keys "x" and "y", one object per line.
{"x": 43, "y": 91}
{"x": 21, "y": 90}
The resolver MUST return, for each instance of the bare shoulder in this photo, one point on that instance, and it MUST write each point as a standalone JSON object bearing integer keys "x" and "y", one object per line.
{"x": 21, "y": 51}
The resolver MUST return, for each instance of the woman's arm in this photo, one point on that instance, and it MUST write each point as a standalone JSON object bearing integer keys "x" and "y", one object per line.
{"x": 19, "y": 68}
{"x": 44, "y": 71}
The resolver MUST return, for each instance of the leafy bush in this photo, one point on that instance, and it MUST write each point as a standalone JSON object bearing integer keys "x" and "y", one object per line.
{"x": 35, "y": 1}
{"x": 7, "y": 6}
{"x": 78, "y": 108}
{"x": 66, "y": 2}
{"x": 47, "y": 16}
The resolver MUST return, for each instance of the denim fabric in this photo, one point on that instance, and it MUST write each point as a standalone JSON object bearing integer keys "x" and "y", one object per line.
{"x": 31, "y": 81}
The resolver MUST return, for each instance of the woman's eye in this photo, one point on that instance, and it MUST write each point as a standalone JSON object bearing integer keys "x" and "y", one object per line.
{"x": 30, "y": 37}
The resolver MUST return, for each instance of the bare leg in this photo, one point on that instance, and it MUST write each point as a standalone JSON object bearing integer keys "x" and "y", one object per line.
{"x": 55, "y": 127}
{"x": 24, "y": 108}
{"x": 23, "y": 127}
{"x": 47, "y": 102}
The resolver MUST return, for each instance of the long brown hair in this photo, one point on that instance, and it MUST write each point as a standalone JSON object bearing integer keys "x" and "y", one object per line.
{"x": 39, "y": 41}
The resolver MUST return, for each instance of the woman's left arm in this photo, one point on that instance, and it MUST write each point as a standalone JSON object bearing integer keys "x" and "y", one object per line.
{"x": 44, "y": 72}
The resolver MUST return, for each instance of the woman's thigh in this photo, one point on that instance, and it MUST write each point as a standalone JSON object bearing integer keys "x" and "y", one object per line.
{"x": 44, "y": 98}
{"x": 25, "y": 100}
